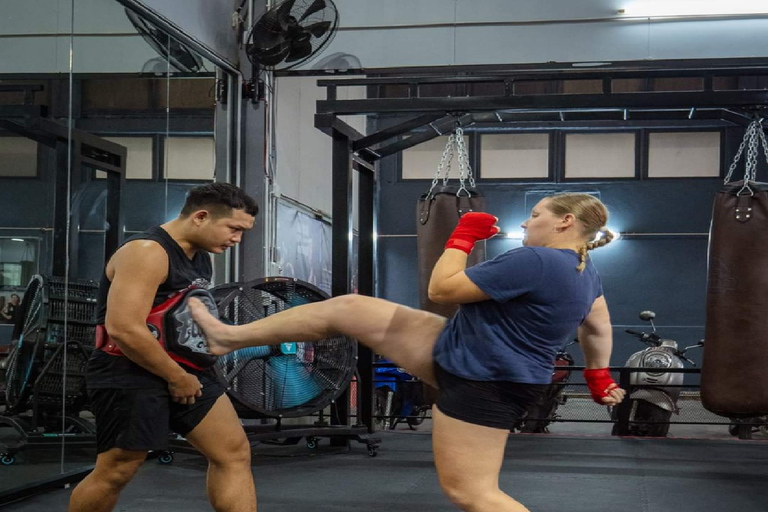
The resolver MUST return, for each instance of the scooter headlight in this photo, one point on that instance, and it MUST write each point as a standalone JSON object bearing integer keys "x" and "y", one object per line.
{"x": 657, "y": 360}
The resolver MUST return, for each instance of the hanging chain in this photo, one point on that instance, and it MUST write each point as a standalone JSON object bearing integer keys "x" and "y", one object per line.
{"x": 450, "y": 148}
{"x": 455, "y": 145}
{"x": 754, "y": 137}
{"x": 738, "y": 155}
{"x": 465, "y": 170}
{"x": 444, "y": 167}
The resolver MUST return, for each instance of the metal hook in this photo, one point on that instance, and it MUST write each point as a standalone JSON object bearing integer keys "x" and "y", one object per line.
{"x": 747, "y": 187}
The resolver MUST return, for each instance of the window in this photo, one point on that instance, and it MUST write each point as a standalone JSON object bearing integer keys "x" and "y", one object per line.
{"x": 18, "y": 157}
{"x": 139, "y": 159}
{"x": 422, "y": 161}
{"x": 514, "y": 155}
{"x": 189, "y": 158}
{"x": 599, "y": 155}
{"x": 683, "y": 154}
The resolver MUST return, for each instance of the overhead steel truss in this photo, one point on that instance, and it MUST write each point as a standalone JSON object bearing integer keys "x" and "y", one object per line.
{"x": 435, "y": 116}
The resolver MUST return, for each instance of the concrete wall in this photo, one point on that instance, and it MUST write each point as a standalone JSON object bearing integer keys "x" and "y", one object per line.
{"x": 400, "y": 33}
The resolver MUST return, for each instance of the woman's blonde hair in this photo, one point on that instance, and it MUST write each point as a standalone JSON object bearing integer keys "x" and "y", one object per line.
{"x": 591, "y": 213}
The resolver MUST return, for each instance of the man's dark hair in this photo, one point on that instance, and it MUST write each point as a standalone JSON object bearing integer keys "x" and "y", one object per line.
{"x": 220, "y": 199}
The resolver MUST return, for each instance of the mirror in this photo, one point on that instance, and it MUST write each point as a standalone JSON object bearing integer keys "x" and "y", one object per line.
{"x": 122, "y": 111}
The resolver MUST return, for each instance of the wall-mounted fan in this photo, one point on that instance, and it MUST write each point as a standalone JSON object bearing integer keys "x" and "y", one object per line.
{"x": 287, "y": 380}
{"x": 179, "y": 56}
{"x": 291, "y": 32}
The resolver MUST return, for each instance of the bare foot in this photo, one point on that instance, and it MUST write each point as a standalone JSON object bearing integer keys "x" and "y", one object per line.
{"x": 215, "y": 331}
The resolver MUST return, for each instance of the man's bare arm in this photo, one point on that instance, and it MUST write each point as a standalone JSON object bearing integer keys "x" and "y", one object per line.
{"x": 136, "y": 270}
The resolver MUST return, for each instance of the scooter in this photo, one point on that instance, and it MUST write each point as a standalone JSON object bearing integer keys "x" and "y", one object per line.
{"x": 398, "y": 397}
{"x": 653, "y": 394}
{"x": 542, "y": 413}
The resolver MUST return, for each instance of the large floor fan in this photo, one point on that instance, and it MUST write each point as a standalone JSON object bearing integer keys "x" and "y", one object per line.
{"x": 290, "y": 379}
{"x": 46, "y": 370}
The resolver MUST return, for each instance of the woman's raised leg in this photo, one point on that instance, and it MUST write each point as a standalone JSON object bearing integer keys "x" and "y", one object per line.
{"x": 403, "y": 335}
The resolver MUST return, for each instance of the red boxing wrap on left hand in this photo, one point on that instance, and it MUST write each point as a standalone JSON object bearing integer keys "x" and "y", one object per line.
{"x": 473, "y": 226}
{"x": 598, "y": 382}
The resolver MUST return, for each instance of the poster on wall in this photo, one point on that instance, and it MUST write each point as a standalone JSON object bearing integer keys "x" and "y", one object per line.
{"x": 10, "y": 306}
{"x": 303, "y": 246}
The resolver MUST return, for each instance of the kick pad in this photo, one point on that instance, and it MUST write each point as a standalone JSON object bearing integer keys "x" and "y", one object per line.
{"x": 184, "y": 336}
{"x": 734, "y": 382}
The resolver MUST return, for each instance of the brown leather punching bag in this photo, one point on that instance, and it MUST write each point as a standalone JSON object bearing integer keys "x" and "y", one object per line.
{"x": 734, "y": 375}
{"x": 437, "y": 214}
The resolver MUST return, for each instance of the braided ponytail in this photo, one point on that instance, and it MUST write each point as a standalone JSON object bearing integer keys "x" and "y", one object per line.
{"x": 604, "y": 239}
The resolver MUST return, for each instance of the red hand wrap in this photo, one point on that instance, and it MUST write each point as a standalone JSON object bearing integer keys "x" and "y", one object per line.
{"x": 473, "y": 226}
{"x": 598, "y": 381}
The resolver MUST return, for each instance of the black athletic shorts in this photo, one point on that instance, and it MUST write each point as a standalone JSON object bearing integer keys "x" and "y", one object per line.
{"x": 495, "y": 404}
{"x": 142, "y": 419}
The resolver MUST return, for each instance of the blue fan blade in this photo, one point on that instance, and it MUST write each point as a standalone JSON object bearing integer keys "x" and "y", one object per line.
{"x": 297, "y": 300}
{"x": 249, "y": 353}
{"x": 292, "y": 383}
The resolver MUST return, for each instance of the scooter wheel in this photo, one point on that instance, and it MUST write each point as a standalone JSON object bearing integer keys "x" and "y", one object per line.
{"x": 745, "y": 431}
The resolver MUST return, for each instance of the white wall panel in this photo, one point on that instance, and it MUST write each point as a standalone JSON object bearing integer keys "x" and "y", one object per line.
{"x": 600, "y": 155}
{"x": 514, "y": 155}
{"x": 303, "y": 152}
{"x": 189, "y": 158}
{"x": 18, "y": 157}
{"x": 139, "y": 158}
{"x": 537, "y": 31}
{"x": 368, "y": 13}
{"x": 675, "y": 155}
{"x": 723, "y": 38}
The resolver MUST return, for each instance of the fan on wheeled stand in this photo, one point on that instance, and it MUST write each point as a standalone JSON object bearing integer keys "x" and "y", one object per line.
{"x": 289, "y": 380}
{"x": 45, "y": 375}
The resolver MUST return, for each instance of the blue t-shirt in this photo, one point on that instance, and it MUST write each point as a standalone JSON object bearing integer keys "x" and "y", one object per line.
{"x": 539, "y": 299}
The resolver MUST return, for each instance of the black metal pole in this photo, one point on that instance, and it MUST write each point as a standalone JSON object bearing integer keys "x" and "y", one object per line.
{"x": 341, "y": 242}
{"x": 365, "y": 281}
{"x": 625, "y": 407}
{"x": 114, "y": 213}
{"x": 60, "y": 211}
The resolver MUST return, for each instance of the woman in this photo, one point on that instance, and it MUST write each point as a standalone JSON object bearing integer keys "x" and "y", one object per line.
{"x": 496, "y": 355}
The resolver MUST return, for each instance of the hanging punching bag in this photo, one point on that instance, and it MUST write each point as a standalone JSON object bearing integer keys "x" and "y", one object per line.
{"x": 734, "y": 380}
{"x": 437, "y": 214}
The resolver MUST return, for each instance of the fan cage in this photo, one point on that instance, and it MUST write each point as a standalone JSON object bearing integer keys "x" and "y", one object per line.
{"x": 293, "y": 380}
{"x": 267, "y": 25}
{"x": 57, "y": 316}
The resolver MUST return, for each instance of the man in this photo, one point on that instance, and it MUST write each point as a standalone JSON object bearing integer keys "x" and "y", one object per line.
{"x": 138, "y": 391}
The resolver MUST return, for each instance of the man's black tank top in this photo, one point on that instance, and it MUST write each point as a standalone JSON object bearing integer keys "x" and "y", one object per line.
{"x": 107, "y": 371}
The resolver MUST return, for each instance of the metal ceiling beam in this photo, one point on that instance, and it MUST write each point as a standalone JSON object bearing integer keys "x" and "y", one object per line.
{"x": 465, "y": 104}
{"x": 394, "y": 131}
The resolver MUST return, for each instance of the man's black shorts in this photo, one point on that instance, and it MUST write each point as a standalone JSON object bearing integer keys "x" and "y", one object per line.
{"x": 142, "y": 419}
{"x": 495, "y": 404}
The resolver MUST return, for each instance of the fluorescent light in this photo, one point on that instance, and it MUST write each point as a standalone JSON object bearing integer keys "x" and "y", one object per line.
{"x": 515, "y": 235}
{"x": 651, "y": 8}
{"x": 17, "y": 240}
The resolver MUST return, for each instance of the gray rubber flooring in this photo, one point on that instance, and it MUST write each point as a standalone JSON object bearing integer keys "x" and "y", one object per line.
{"x": 547, "y": 473}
